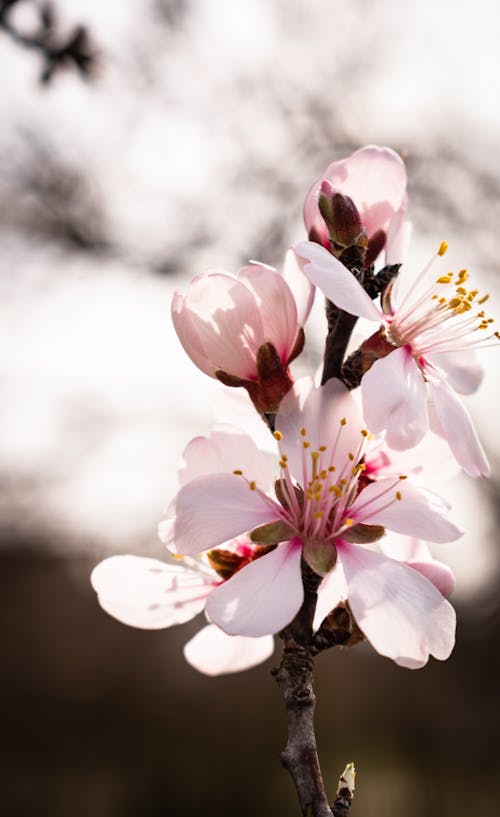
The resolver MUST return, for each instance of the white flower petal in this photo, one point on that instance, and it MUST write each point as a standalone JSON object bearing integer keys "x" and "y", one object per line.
{"x": 225, "y": 449}
{"x": 150, "y": 594}
{"x": 457, "y": 428}
{"x": 336, "y": 282}
{"x": 395, "y": 399}
{"x": 332, "y": 590}
{"x": 319, "y": 410}
{"x": 401, "y": 613}
{"x": 213, "y": 652}
{"x": 214, "y": 508}
{"x": 262, "y": 597}
{"x": 416, "y": 513}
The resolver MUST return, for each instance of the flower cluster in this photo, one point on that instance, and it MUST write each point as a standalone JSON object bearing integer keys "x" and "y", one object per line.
{"x": 342, "y": 499}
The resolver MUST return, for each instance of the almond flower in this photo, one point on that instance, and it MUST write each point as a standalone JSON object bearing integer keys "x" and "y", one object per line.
{"x": 374, "y": 178}
{"x": 246, "y": 329}
{"x": 432, "y": 461}
{"x": 316, "y": 510}
{"x": 432, "y": 326}
{"x": 152, "y": 595}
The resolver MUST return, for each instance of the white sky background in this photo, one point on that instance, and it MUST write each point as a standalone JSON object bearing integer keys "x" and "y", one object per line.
{"x": 196, "y": 145}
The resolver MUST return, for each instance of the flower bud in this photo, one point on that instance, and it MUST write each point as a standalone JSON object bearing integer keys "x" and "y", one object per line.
{"x": 341, "y": 217}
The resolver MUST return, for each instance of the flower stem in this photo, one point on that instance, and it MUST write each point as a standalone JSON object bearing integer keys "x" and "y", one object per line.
{"x": 294, "y": 677}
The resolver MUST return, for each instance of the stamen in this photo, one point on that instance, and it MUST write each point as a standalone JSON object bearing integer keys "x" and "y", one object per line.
{"x": 238, "y": 473}
{"x": 277, "y": 435}
{"x": 251, "y": 485}
{"x": 442, "y": 248}
{"x": 398, "y": 495}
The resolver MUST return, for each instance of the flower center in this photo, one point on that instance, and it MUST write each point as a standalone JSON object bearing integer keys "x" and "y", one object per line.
{"x": 318, "y": 512}
{"x": 443, "y": 318}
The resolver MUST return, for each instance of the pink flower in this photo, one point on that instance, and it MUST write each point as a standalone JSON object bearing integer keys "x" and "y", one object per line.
{"x": 316, "y": 510}
{"x": 375, "y": 179}
{"x": 150, "y": 594}
{"x": 434, "y": 324}
{"x": 430, "y": 460}
{"x": 245, "y": 329}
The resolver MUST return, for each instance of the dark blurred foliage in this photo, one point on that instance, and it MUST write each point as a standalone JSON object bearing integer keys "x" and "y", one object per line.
{"x": 75, "y": 50}
{"x": 104, "y": 720}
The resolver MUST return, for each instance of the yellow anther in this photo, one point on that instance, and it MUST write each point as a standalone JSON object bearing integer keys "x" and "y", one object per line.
{"x": 484, "y": 298}
{"x": 277, "y": 435}
{"x": 331, "y": 469}
{"x": 461, "y": 291}
{"x": 444, "y": 279}
{"x": 306, "y": 444}
{"x": 442, "y": 248}
{"x": 364, "y": 432}
{"x": 238, "y": 472}
{"x": 342, "y": 482}
{"x": 334, "y": 489}
{"x": 315, "y": 455}
{"x": 322, "y": 448}
{"x": 282, "y": 463}
{"x": 361, "y": 467}
{"x": 403, "y": 476}
{"x": 251, "y": 485}
{"x": 349, "y": 522}
{"x": 318, "y": 514}
{"x": 497, "y": 335}
{"x": 462, "y": 276}
{"x": 434, "y": 298}
{"x": 398, "y": 495}
{"x": 442, "y": 300}
{"x": 351, "y": 456}
{"x": 323, "y": 474}
{"x": 480, "y": 314}
{"x": 303, "y": 432}
{"x": 343, "y": 421}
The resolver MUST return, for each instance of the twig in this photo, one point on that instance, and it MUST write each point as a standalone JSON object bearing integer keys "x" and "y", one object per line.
{"x": 57, "y": 52}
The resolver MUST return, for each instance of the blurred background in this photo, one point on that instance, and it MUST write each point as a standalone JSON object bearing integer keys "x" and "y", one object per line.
{"x": 172, "y": 136}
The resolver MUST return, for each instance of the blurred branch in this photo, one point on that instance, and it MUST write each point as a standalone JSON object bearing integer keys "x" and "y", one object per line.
{"x": 75, "y": 50}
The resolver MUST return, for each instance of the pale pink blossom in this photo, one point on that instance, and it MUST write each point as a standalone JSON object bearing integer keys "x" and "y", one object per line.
{"x": 434, "y": 324}
{"x": 245, "y": 329}
{"x": 375, "y": 179}
{"x": 316, "y": 510}
{"x": 151, "y": 594}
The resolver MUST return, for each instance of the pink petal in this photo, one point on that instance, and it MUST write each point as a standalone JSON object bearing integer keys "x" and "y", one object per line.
{"x": 398, "y": 236}
{"x": 276, "y": 304}
{"x": 464, "y": 372}
{"x": 336, "y": 282}
{"x": 400, "y": 612}
{"x": 150, "y": 594}
{"x": 214, "y": 508}
{"x": 417, "y": 555}
{"x": 301, "y": 287}
{"x": 395, "y": 399}
{"x": 319, "y": 409}
{"x": 373, "y": 177}
{"x": 189, "y": 335}
{"x": 429, "y": 461}
{"x": 332, "y": 590}
{"x": 262, "y": 597}
{"x": 457, "y": 428}
{"x": 225, "y": 449}
{"x": 439, "y": 574}
{"x": 213, "y": 652}
{"x": 218, "y": 320}
{"x": 418, "y": 514}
